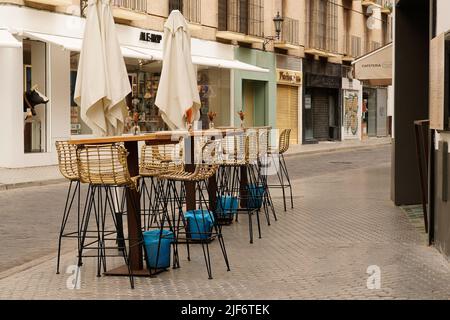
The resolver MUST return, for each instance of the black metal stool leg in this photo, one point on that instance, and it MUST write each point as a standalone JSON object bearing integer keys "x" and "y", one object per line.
{"x": 90, "y": 197}
{"x": 66, "y": 214}
{"x": 288, "y": 180}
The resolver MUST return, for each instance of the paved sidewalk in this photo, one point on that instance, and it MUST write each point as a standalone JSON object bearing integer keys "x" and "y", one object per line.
{"x": 330, "y": 146}
{"x": 37, "y": 176}
{"x": 28, "y": 177}
{"x": 343, "y": 222}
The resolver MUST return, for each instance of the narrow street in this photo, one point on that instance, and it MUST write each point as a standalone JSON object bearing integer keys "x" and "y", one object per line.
{"x": 343, "y": 222}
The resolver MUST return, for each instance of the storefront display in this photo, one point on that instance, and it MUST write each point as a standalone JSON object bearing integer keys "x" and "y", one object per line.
{"x": 143, "y": 114}
{"x": 142, "y": 111}
{"x": 376, "y": 111}
{"x": 34, "y": 100}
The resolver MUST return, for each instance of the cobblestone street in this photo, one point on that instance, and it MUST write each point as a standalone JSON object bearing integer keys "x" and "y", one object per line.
{"x": 343, "y": 222}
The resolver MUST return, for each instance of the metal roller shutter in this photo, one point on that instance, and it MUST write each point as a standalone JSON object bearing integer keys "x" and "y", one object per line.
{"x": 320, "y": 114}
{"x": 287, "y": 110}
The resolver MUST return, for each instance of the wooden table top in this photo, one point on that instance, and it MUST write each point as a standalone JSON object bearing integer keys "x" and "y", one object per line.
{"x": 244, "y": 128}
{"x": 160, "y": 136}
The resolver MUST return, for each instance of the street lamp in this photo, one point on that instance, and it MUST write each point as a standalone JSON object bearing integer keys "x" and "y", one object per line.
{"x": 278, "y": 22}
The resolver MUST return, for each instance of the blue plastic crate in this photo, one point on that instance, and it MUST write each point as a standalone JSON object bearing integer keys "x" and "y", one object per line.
{"x": 151, "y": 242}
{"x": 255, "y": 196}
{"x": 199, "y": 224}
{"x": 226, "y": 207}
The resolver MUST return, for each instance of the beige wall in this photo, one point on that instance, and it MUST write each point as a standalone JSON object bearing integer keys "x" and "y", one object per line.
{"x": 295, "y": 9}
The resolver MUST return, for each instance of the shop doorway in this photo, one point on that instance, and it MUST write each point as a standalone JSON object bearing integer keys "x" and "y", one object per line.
{"x": 370, "y": 96}
{"x": 375, "y": 115}
{"x": 254, "y": 102}
{"x": 322, "y": 115}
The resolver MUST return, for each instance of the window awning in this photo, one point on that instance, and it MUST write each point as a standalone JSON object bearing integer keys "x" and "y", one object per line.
{"x": 227, "y": 64}
{"x": 205, "y": 61}
{"x": 74, "y": 44}
{"x": 375, "y": 67}
{"x": 7, "y": 40}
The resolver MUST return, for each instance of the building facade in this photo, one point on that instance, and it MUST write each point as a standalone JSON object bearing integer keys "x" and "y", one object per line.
{"x": 300, "y": 80}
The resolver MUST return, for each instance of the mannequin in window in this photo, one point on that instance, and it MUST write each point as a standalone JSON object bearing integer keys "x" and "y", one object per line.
{"x": 31, "y": 99}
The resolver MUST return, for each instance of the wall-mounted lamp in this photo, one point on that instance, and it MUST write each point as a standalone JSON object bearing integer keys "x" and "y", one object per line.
{"x": 278, "y": 22}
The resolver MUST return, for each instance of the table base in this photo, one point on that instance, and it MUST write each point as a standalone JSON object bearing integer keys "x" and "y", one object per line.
{"x": 122, "y": 271}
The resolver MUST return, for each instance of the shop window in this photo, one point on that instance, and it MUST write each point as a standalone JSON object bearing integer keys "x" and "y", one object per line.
{"x": 35, "y": 101}
{"x": 77, "y": 125}
{"x": 214, "y": 89}
{"x": 142, "y": 111}
{"x": 143, "y": 114}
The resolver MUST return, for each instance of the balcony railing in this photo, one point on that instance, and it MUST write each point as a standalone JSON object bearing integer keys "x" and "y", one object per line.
{"x": 133, "y": 5}
{"x": 372, "y": 46}
{"x": 191, "y": 9}
{"x": 127, "y": 9}
{"x": 321, "y": 26}
{"x": 291, "y": 31}
{"x": 242, "y": 16}
{"x": 352, "y": 46}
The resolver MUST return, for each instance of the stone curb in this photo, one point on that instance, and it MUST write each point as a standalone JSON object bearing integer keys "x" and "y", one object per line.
{"x": 19, "y": 185}
{"x": 337, "y": 149}
{"x": 36, "y": 262}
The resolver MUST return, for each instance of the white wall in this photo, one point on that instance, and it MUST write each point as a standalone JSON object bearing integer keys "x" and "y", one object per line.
{"x": 443, "y": 16}
{"x": 11, "y": 91}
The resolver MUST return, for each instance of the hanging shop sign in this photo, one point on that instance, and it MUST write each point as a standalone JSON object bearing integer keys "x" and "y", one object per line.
{"x": 290, "y": 77}
{"x": 150, "y": 37}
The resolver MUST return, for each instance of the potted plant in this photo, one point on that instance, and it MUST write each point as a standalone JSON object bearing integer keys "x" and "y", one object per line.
{"x": 211, "y": 116}
{"x": 242, "y": 117}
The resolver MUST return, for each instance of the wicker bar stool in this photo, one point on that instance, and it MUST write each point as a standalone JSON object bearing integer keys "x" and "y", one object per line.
{"x": 263, "y": 170}
{"x": 156, "y": 160}
{"x": 198, "y": 226}
{"x": 238, "y": 177}
{"x": 105, "y": 168}
{"x": 67, "y": 163}
{"x": 277, "y": 154}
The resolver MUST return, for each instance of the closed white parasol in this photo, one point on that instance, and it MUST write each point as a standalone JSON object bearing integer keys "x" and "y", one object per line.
{"x": 102, "y": 80}
{"x": 178, "y": 97}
